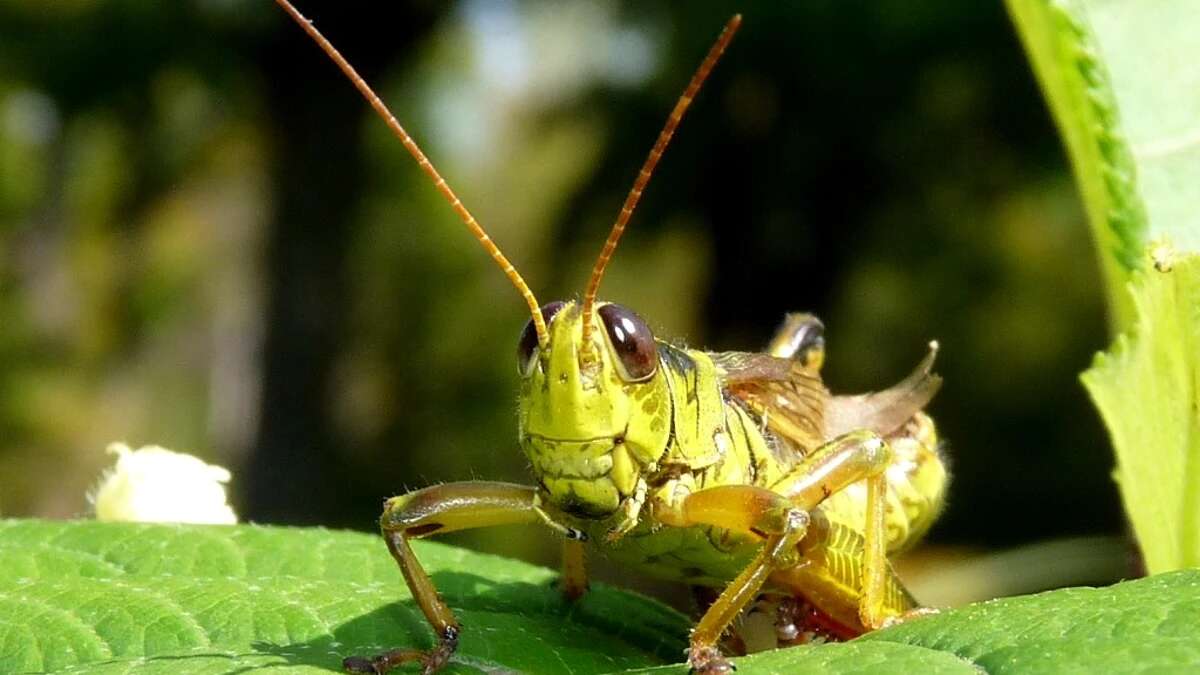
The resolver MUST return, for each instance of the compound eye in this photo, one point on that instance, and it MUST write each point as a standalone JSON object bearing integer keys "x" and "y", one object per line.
{"x": 527, "y": 347}
{"x": 632, "y": 342}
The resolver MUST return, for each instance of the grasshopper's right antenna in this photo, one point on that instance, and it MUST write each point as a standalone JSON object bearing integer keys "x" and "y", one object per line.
{"x": 635, "y": 193}
{"x": 455, "y": 203}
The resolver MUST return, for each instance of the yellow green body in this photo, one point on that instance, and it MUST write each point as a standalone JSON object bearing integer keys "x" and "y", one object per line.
{"x": 608, "y": 453}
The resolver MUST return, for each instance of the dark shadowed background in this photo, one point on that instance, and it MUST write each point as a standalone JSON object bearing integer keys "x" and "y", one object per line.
{"x": 210, "y": 243}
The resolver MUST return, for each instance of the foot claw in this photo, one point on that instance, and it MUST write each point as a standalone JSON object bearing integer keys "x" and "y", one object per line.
{"x": 708, "y": 661}
{"x": 358, "y": 664}
{"x": 431, "y": 661}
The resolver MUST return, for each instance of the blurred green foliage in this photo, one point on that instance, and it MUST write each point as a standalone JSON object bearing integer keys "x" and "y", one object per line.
{"x": 210, "y": 243}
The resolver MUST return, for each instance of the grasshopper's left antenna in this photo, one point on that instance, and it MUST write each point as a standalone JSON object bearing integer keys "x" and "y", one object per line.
{"x": 490, "y": 246}
{"x": 635, "y": 193}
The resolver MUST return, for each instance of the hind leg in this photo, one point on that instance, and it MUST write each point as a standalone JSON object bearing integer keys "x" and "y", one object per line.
{"x": 801, "y": 337}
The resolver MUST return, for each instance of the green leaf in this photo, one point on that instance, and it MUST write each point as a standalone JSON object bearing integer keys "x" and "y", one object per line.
{"x": 1148, "y": 390}
{"x": 1142, "y": 626}
{"x": 1123, "y": 81}
{"x": 126, "y": 598}
{"x": 1063, "y": 48}
{"x": 858, "y": 658}
{"x": 1122, "y": 78}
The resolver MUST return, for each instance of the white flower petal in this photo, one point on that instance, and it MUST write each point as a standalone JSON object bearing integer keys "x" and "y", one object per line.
{"x": 153, "y": 484}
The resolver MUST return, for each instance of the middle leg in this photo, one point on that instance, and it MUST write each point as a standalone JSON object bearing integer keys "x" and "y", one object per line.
{"x": 744, "y": 509}
{"x": 851, "y": 458}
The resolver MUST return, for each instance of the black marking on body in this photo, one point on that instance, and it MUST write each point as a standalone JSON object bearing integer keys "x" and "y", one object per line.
{"x": 671, "y": 434}
{"x": 676, "y": 359}
{"x": 682, "y": 363}
{"x": 667, "y": 472}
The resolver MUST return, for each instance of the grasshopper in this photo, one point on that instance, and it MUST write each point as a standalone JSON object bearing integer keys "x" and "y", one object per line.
{"x": 737, "y": 471}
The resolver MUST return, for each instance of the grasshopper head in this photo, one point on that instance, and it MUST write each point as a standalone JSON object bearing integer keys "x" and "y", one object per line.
{"x": 591, "y": 421}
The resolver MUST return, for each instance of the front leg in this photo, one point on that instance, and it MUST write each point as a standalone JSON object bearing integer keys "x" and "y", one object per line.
{"x": 437, "y": 509}
{"x": 574, "y": 582}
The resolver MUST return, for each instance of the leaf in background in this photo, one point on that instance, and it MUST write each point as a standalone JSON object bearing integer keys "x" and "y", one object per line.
{"x": 1147, "y": 388}
{"x": 1152, "y": 54}
{"x": 126, "y": 598}
{"x": 1122, "y": 78}
{"x": 1066, "y": 58}
{"x": 1139, "y": 174}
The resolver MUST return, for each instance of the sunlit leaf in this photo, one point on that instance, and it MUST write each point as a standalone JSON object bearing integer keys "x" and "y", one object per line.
{"x": 1148, "y": 389}
{"x": 146, "y": 598}
{"x": 128, "y": 598}
{"x": 1122, "y": 78}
